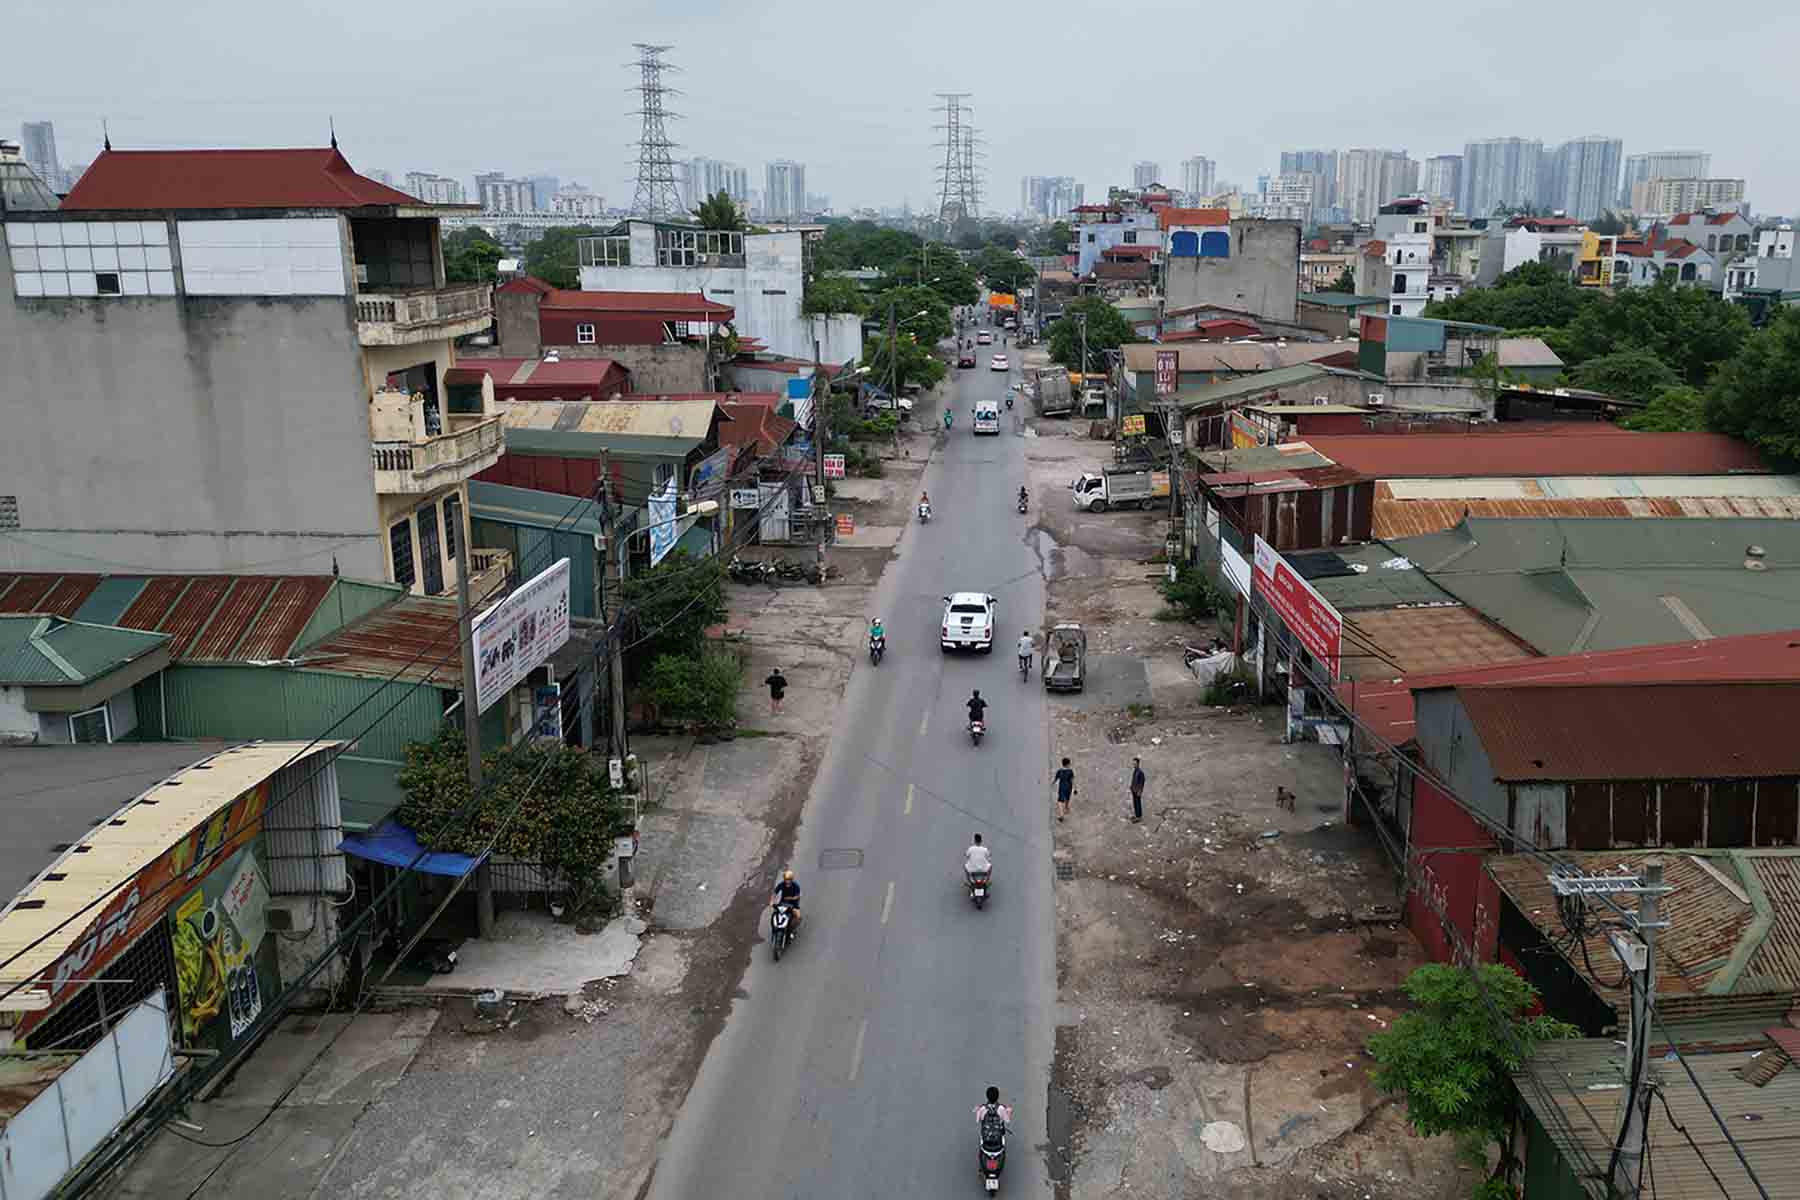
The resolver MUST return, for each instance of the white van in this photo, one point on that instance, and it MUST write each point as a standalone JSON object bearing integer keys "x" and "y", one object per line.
{"x": 987, "y": 416}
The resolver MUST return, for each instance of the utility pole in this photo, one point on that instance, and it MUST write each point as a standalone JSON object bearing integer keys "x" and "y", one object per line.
{"x": 465, "y": 627}
{"x": 615, "y": 666}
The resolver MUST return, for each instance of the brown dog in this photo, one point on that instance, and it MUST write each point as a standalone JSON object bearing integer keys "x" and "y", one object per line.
{"x": 1284, "y": 799}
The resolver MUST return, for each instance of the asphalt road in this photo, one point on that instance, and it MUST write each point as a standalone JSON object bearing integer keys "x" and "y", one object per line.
{"x": 851, "y": 1067}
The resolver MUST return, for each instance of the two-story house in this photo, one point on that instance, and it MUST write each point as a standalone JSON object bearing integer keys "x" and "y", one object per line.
{"x": 231, "y": 361}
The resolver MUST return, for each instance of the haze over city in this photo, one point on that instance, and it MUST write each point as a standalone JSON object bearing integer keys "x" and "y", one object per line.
{"x": 545, "y": 87}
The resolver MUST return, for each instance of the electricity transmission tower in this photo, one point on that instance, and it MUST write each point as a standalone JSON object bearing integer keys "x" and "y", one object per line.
{"x": 657, "y": 193}
{"x": 957, "y": 191}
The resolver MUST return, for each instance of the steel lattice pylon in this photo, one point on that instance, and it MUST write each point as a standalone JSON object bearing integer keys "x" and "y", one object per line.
{"x": 959, "y": 194}
{"x": 657, "y": 193}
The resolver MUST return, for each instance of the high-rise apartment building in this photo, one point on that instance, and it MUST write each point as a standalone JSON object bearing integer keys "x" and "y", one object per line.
{"x": 543, "y": 190}
{"x": 1500, "y": 173}
{"x": 38, "y": 145}
{"x": 1666, "y": 197}
{"x": 1145, "y": 174}
{"x": 1367, "y": 179}
{"x": 1048, "y": 196}
{"x": 498, "y": 194}
{"x": 435, "y": 189}
{"x": 785, "y": 197}
{"x": 1583, "y": 177}
{"x": 1662, "y": 164}
{"x": 710, "y": 176}
{"x": 1198, "y": 175}
{"x": 1323, "y": 163}
{"x": 1297, "y": 196}
{"x": 1441, "y": 178}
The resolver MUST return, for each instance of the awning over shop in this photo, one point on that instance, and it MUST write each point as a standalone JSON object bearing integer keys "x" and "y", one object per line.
{"x": 395, "y": 845}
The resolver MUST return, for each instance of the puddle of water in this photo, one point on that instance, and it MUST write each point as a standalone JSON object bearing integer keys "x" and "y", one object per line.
{"x": 1060, "y": 560}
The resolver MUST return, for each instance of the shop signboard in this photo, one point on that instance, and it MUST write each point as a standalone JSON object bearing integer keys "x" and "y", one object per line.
{"x": 225, "y": 962}
{"x": 141, "y": 903}
{"x": 834, "y": 466}
{"x": 662, "y": 522}
{"x": 548, "y": 726}
{"x": 521, "y": 632}
{"x": 1308, "y": 615}
{"x": 744, "y": 497}
{"x": 1133, "y": 424}
{"x": 709, "y": 476}
{"x": 1168, "y": 371}
{"x": 846, "y": 525}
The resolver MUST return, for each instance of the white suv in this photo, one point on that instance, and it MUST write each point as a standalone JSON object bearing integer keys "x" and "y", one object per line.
{"x": 968, "y": 622}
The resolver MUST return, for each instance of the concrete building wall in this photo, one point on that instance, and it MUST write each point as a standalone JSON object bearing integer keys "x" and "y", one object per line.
{"x": 516, "y": 315}
{"x": 1453, "y": 750}
{"x": 1261, "y": 275}
{"x": 18, "y": 725}
{"x": 164, "y": 434}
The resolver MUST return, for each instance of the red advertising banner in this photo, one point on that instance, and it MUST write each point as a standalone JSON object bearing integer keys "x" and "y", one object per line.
{"x": 1168, "y": 371}
{"x": 1308, "y": 615}
{"x": 142, "y": 902}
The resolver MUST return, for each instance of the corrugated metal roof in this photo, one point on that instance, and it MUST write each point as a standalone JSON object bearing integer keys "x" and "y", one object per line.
{"x": 1636, "y": 731}
{"x": 528, "y": 506}
{"x": 1398, "y": 518}
{"x": 154, "y": 602}
{"x": 1236, "y": 356}
{"x": 1527, "y": 352}
{"x": 390, "y": 639}
{"x": 1287, "y": 456}
{"x": 1407, "y": 641}
{"x": 654, "y": 426}
{"x": 107, "y": 859}
{"x": 68, "y": 595}
{"x": 1226, "y": 390}
{"x": 191, "y": 612}
{"x": 41, "y": 650}
{"x": 1367, "y": 576}
{"x": 232, "y": 617}
{"x": 283, "y": 618}
{"x": 27, "y": 593}
{"x": 1427, "y": 455}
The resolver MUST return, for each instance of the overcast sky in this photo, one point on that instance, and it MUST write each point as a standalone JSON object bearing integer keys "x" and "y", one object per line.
{"x": 544, "y": 86}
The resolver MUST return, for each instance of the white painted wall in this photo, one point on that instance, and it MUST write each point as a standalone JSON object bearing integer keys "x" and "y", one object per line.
{"x": 16, "y": 723}
{"x": 284, "y": 256}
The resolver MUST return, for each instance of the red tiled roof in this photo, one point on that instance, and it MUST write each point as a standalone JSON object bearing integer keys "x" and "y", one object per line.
{"x": 1374, "y": 248}
{"x": 762, "y": 399}
{"x": 1636, "y": 731}
{"x": 1682, "y": 218}
{"x": 1680, "y": 249}
{"x": 1530, "y": 455}
{"x": 754, "y": 424}
{"x": 526, "y": 283}
{"x": 685, "y": 305}
{"x": 1128, "y": 252}
{"x": 206, "y": 179}
{"x": 511, "y": 372}
{"x": 1721, "y": 218}
{"x": 1168, "y": 218}
{"x": 1121, "y": 270}
{"x": 1319, "y": 246}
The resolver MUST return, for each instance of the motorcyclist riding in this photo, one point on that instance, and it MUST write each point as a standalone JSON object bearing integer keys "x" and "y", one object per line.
{"x": 977, "y": 706}
{"x": 1026, "y": 649}
{"x": 977, "y": 860}
{"x": 787, "y": 892}
{"x": 993, "y": 1105}
{"x": 1024, "y": 496}
{"x": 876, "y": 630}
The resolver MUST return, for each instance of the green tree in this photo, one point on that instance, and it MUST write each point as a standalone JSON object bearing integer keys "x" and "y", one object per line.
{"x": 851, "y": 244}
{"x": 1003, "y": 270}
{"x": 834, "y": 294}
{"x": 906, "y": 356}
{"x": 471, "y": 256}
{"x": 905, "y": 301}
{"x": 1053, "y": 239}
{"x": 1689, "y": 328}
{"x": 1633, "y": 373}
{"x": 1756, "y": 394}
{"x": 701, "y": 688}
{"x": 1677, "y": 409}
{"x": 1004, "y": 236}
{"x": 719, "y": 211}
{"x": 544, "y": 802}
{"x": 555, "y": 257}
{"x": 970, "y": 239}
{"x": 672, "y": 605}
{"x": 1453, "y": 1055}
{"x": 1531, "y": 296}
{"x": 1345, "y": 283}
{"x": 1609, "y": 224}
{"x": 1107, "y": 329}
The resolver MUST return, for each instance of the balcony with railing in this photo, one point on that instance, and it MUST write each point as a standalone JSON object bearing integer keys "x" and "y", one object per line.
{"x": 489, "y": 571}
{"x": 412, "y": 457}
{"x": 407, "y": 318}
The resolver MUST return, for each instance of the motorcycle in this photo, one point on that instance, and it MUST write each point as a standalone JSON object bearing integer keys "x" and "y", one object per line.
{"x": 1009, "y": 399}
{"x": 924, "y": 514}
{"x": 782, "y": 923}
{"x": 877, "y": 648}
{"x": 1022, "y": 502}
{"x": 978, "y": 883}
{"x": 1025, "y": 667}
{"x": 977, "y": 729}
{"x": 992, "y": 1157}
{"x": 946, "y": 420}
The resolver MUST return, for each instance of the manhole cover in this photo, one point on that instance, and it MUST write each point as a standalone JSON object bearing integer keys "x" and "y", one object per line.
{"x": 1065, "y": 870}
{"x": 838, "y": 860}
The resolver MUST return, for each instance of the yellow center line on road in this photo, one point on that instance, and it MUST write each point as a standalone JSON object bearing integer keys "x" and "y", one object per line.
{"x": 887, "y": 905}
{"x": 862, "y": 1031}
{"x": 909, "y": 795}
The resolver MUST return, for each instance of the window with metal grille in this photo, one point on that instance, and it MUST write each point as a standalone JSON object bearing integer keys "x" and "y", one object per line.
{"x": 148, "y": 964}
{"x": 452, "y": 525}
{"x": 431, "y": 559}
{"x": 9, "y": 512}
{"x": 400, "y": 546}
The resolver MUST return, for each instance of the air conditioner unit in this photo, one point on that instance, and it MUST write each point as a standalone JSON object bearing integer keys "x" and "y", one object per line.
{"x": 1376, "y": 399}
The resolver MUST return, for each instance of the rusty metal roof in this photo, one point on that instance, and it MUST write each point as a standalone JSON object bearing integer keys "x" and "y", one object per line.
{"x": 1636, "y": 731}
{"x": 389, "y": 640}
{"x": 1397, "y": 517}
{"x": 1452, "y": 455}
{"x": 209, "y": 618}
{"x": 1381, "y": 643}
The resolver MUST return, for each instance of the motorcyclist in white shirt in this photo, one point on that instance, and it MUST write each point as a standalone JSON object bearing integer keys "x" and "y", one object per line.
{"x": 977, "y": 860}
{"x": 1026, "y": 649}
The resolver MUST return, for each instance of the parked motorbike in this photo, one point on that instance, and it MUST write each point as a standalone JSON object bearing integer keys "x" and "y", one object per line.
{"x": 977, "y": 730}
{"x": 782, "y": 923}
{"x": 978, "y": 884}
{"x": 991, "y": 1159}
{"x": 877, "y": 648}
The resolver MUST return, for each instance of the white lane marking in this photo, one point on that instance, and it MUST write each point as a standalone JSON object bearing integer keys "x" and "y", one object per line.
{"x": 887, "y": 905}
{"x": 862, "y": 1031}
{"x": 924, "y": 717}
{"x": 909, "y": 794}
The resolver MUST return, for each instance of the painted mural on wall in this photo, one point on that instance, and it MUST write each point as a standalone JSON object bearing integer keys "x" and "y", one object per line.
{"x": 225, "y": 966}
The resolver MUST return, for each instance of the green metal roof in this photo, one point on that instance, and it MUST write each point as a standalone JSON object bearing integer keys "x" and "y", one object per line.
{"x": 1368, "y": 576}
{"x": 43, "y": 651}
{"x": 1246, "y": 385}
{"x": 1573, "y": 584}
{"x": 539, "y": 510}
{"x": 1339, "y": 299}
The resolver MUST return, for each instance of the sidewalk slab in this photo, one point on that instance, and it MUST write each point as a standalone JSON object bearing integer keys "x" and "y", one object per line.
{"x": 532, "y": 953}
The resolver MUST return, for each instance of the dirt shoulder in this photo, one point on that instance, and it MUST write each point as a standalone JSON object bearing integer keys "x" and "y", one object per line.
{"x": 1221, "y": 964}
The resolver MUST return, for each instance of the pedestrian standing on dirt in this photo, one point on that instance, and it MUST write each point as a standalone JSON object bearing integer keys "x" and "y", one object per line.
{"x": 1137, "y": 790}
{"x": 1065, "y": 788}
{"x": 777, "y": 686}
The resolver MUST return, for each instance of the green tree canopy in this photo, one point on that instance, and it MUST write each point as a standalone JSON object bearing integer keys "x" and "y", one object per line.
{"x": 1633, "y": 373}
{"x": 1528, "y": 296}
{"x": 471, "y": 256}
{"x": 834, "y": 294}
{"x": 1004, "y": 236}
{"x": 1107, "y": 329}
{"x": 1052, "y": 239}
{"x": 851, "y": 244}
{"x": 1689, "y": 328}
{"x": 555, "y": 258}
{"x": 1756, "y": 394}
{"x": 1678, "y": 409}
{"x": 719, "y": 211}
{"x": 1003, "y": 270}
{"x": 1450, "y": 1058}
{"x": 905, "y": 301}
{"x": 906, "y": 359}
{"x": 1609, "y": 224}
{"x": 1345, "y": 283}
{"x": 672, "y": 605}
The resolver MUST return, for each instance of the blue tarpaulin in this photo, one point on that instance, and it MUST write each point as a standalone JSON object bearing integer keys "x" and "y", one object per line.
{"x": 394, "y": 844}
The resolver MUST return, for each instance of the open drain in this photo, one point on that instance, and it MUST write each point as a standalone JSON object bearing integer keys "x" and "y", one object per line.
{"x": 839, "y": 860}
